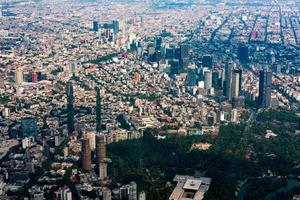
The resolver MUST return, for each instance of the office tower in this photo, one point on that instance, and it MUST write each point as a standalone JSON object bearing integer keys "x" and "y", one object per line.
{"x": 98, "y": 110}
{"x": 215, "y": 79}
{"x": 92, "y": 139}
{"x": 184, "y": 51}
{"x": 86, "y": 160}
{"x": 158, "y": 43}
{"x": 184, "y": 63}
{"x": 174, "y": 66}
{"x": 170, "y": 53}
{"x": 177, "y": 53}
{"x": 101, "y": 156}
{"x": 29, "y": 126}
{"x": 235, "y": 83}
{"x": 207, "y": 80}
{"x": 65, "y": 193}
{"x": 100, "y": 148}
{"x": 102, "y": 170}
{"x": 19, "y": 76}
{"x": 265, "y": 86}
{"x": 132, "y": 191}
{"x": 243, "y": 54}
{"x": 116, "y": 26}
{"x": 124, "y": 193}
{"x": 106, "y": 193}
{"x": 228, "y": 79}
{"x": 70, "y": 107}
{"x": 207, "y": 61}
{"x": 142, "y": 195}
{"x": 191, "y": 79}
{"x": 95, "y": 26}
{"x": 34, "y": 77}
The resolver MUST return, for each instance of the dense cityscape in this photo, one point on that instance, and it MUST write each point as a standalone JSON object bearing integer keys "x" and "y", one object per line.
{"x": 153, "y": 99}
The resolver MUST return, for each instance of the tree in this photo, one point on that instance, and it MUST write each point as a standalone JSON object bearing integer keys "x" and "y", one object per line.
{"x": 70, "y": 107}
{"x": 98, "y": 110}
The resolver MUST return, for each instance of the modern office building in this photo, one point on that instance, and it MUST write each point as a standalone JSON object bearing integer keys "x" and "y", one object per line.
{"x": 228, "y": 80}
{"x": 235, "y": 84}
{"x": 265, "y": 87}
{"x": 207, "y": 80}
{"x": 95, "y": 26}
{"x": 142, "y": 195}
{"x": 29, "y": 126}
{"x": 86, "y": 159}
{"x": 19, "y": 76}
{"x": 106, "y": 192}
{"x": 100, "y": 148}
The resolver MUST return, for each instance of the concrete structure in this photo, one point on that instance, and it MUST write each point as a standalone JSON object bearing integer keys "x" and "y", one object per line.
{"x": 86, "y": 159}
{"x": 190, "y": 188}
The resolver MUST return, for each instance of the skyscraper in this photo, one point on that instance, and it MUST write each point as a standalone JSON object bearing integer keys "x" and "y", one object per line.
{"x": 95, "y": 26}
{"x": 116, "y": 27}
{"x": 29, "y": 126}
{"x": 184, "y": 51}
{"x": 102, "y": 170}
{"x": 100, "y": 148}
{"x": 228, "y": 80}
{"x": 92, "y": 139}
{"x": 265, "y": 86}
{"x": 132, "y": 191}
{"x": 70, "y": 107}
{"x": 19, "y": 77}
{"x": 106, "y": 193}
{"x": 86, "y": 160}
{"x": 98, "y": 110}
{"x": 142, "y": 195}
{"x": 101, "y": 156}
{"x": 207, "y": 80}
{"x": 235, "y": 83}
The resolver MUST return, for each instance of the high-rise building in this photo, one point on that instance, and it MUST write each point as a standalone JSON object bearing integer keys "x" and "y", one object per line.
{"x": 207, "y": 80}
{"x": 116, "y": 26}
{"x": 106, "y": 193}
{"x": 29, "y": 126}
{"x": 65, "y": 193}
{"x": 86, "y": 160}
{"x": 95, "y": 26}
{"x": 184, "y": 51}
{"x": 124, "y": 193}
{"x": 92, "y": 139}
{"x": 142, "y": 195}
{"x": 265, "y": 87}
{"x": 70, "y": 107}
{"x": 174, "y": 66}
{"x": 102, "y": 170}
{"x": 34, "y": 77}
{"x": 100, "y": 148}
{"x": 132, "y": 191}
{"x": 158, "y": 43}
{"x": 19, "y": 76}
{"x": 101, "y": 156}
{"x": 228, "y": 79}
{"x": 235, "y": 83}
{"x": 170, "y": 53}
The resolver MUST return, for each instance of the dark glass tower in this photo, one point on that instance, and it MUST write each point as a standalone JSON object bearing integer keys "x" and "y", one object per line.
{"x": 70, "y": 107}
{"x": 265, "y": 87}
{"x": 95, "y": 26}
